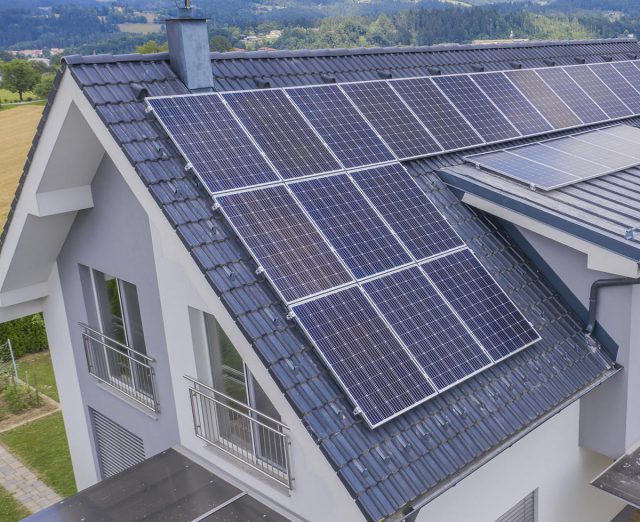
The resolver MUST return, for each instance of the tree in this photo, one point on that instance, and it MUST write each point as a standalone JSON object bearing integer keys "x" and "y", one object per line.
{"x": 19, "y": 76}
{"x": 221, "y": 44}
{"x": 151, "y": 47}
{"x": 44, "y": 86}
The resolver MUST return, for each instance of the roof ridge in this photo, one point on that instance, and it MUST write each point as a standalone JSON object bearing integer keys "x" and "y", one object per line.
{"x": 77, "y": 59}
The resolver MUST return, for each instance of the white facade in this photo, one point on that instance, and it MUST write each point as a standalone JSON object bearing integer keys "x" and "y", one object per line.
{"x": 173, "y": 292}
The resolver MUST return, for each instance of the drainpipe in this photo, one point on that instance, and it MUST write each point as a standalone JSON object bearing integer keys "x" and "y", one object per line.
{"x": 593, "y": 296}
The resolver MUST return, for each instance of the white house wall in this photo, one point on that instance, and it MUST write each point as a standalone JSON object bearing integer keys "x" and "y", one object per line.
{"x": 610, "y": 415}
{"x": 548, "y": 460}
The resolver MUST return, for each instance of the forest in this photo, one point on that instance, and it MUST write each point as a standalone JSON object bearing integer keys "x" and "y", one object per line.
{"x": 87, "y": 28}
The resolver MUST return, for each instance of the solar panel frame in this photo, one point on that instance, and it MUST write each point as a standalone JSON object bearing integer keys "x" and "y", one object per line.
{"x": 506, "y": 96}
{"x": 609, "y": 142}
{"x": 592, "y": 152}
{"x": 380, "y": 106}
{"x": 286, "y": 137}
{"x": 407, "y": 210}
{"x": 388, "y": 348}
{"x": 351, "y": 225}
{"x": 617, "y": 83}
{"x": 543, "y": 98}
{"x": 292, "y": 275}
{"x": 572, "y": 94}
{"x": 476, "y": 107}
{"x": 606, "y": 99}
{"x": 624, "y": 132}
{"x": 437, "y": 113}
{"x": 428, "y": 327}
{"x": 481, "y": 283}
{"x": 341, "y": 126}
{"x": 212, "y": 164}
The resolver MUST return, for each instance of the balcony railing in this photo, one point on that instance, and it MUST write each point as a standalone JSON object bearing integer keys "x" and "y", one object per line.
{"x": 123, "y": 368}
{"x": 241, "y": 431}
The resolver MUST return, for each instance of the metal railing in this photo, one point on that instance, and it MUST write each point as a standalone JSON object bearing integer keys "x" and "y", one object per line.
{"x": 123, "y": 368}
{"x": 241, "y": 431}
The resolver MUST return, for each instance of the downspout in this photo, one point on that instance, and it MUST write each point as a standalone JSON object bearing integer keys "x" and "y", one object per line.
{"x": 593, "y": 296}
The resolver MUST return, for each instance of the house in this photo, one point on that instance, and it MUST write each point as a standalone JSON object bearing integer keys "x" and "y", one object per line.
{"x": 169, "y": 343}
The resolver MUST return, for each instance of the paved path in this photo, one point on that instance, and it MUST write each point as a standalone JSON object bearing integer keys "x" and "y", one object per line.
{"x": 28, "y": 489}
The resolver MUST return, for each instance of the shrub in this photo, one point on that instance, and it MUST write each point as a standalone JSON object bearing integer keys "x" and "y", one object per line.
{"x": 20, "y": 397}
{"x": 27, "y": 334}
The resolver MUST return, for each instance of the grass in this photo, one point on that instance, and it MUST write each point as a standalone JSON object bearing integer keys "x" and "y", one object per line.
{"x": 8, "y": 96}
{"x": 139, "y": 28}
{"x": 10, "y": 509}
{"x": 42, "y": 445}
{"x": 36, "y": 370}
{"x": 17, "y": 128}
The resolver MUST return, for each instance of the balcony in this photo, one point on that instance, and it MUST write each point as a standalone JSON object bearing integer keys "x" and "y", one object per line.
{"x": 120, "y": 367}
{"x": 241, "y": 431}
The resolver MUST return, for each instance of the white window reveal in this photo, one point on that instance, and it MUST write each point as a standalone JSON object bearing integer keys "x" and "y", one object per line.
{"x": 114, "y": 339}
{"x": 523, "y": 511}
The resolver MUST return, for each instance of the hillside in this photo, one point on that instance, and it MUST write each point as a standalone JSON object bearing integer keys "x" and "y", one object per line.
{"x": 17, "y": 127}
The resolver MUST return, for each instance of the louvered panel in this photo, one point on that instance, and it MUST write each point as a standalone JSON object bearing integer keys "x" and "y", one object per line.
{"x": 117, "y": 448}
{"x": 523, "y": 511}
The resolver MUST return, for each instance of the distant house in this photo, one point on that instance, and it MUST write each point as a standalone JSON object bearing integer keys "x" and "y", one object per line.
{"x": 183, "y": 373}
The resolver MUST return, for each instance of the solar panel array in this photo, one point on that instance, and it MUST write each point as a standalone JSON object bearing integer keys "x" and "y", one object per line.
{"x": 366, "y": 263}
{"x": 393, "y": 300}
{"x": 563, "y": 161}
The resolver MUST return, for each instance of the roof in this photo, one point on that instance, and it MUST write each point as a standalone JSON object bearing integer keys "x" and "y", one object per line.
{"x": 603, "y": 210}
{"x": 430, "y": 447}
{"x": 167, "y": 486}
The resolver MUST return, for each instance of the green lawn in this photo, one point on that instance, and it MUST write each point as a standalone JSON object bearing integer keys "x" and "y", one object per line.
{"x": 36, "y": 369}
{"x": 10, "y": 509}
{"x": 8, "y": 96}
{"x": 8, "y": 106}
{"x": 42, "y": 445}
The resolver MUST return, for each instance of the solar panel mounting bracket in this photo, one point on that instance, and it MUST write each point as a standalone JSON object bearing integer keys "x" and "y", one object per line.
{"x": 148, "y": 109}
{"x": 188, "y": 166}
{"x": 291, "y": 315}
{"x": 357, "y": 411}
{"x": 259, "y": 270}
{"x": 632, "y": 234}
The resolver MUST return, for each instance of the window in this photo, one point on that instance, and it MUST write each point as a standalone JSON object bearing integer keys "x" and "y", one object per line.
{"x": 114, "y": 339}
{"x": 245, "y": 420}
{"x": 523, "y": 511}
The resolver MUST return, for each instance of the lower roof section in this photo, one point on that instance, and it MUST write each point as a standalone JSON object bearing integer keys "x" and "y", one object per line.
{"x": 622, "y": 479}
{"x": 167, "y": 486}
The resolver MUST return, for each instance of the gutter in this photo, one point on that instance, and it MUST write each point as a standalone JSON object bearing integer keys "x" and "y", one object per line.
{"x": 593, "y": 297}
{"x": 435, "y": 493}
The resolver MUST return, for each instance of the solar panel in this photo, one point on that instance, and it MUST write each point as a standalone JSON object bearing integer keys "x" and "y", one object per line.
{"x": 407, "y": 210}
{"x": 617, "y": 83}
{"x": 593, "y": 152}
{"x": 391, "y": 118}
{"x": 212, "y": 141}
{"x": 437, "y": 113}
{"x": 569, "y": 91}
{"x": 427, "y": 326}
{"x": 599, "y": 92}
{"x": 481, "y": 304}
{"x": 476, "y": 107}
{"x": 573, "y": 165}
{"x": 345, "y": 217}
{"x": 364, "y": 355}
{"x": 340, "y": 125}
{"x": 522, "y": 169}
{"x": 624, "y": 132}
{"x": 544, "y": 99}
{"x": 524, "y": 116}
{"x": 562, "y": 161}
{"x": 284, "y": 242}
{"x": 282, "y": 133}
{"x": 629, "y": 72}
{"x": 610, "y": 143}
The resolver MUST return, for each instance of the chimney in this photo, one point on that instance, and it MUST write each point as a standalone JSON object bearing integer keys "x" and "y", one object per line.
{"x": 189, "y": 50}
